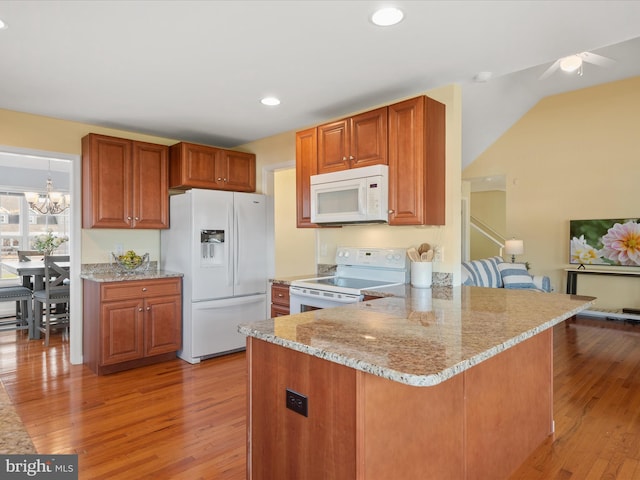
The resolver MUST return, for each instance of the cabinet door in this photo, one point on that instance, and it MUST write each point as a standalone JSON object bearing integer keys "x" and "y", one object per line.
{"x": 236, "y": 171}
{"x": 150, "y": 186}
{"x": 368, "y": 138}
{"x": 163, "y": 325}
{"x": 192, "y": 165}
{"x": 333, "y": 146}
{"x": 417, "y": 162}
{"x": 406, "y": 162}
{"x": 122, "y": 331}
{"x": 306, "y": 165}
{"x": 106, "y": 182}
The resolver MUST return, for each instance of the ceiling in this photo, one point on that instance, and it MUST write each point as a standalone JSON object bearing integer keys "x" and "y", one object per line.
{"x": 196, "y": 70}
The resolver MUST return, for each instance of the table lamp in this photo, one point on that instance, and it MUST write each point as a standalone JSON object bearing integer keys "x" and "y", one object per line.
{"x": 513, "y": 247}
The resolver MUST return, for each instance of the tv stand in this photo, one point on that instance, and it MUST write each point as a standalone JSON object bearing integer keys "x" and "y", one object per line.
{"x": 621, "y": 314}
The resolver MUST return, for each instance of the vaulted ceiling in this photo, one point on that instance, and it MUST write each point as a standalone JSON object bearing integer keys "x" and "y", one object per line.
{"x": 196, "y": 70}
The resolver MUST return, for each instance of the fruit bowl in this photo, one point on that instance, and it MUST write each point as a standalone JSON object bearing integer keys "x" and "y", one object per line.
{"x": 131, "y": 262}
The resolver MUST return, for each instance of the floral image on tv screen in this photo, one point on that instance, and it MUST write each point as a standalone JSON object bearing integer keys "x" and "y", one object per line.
{"x": 614, "y": 242}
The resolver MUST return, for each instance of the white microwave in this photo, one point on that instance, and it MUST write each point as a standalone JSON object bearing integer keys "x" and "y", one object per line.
{"x": 357, "y": 195}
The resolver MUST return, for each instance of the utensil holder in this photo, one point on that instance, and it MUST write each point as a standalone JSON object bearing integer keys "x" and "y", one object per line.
{"x": 421, "y": 274}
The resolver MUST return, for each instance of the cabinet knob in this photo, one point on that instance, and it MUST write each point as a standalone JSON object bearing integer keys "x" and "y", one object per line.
{"x": 140, "y": 309}
{"x": 129, "y": 218}
{"x": 280, "y": 295}
{"x": 225, "y": 179}
{"x": 351, "y": 157}
{"x": 219, "y": 179}
{"x": 144, "y": 289}
{"x": 391, "y": 211}
{"x": 148, "y": 308}
{"x": 344, "y": 159}
{"x": 137, "y": 218}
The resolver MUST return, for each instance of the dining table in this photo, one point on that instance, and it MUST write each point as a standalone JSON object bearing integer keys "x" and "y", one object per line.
{"x": 26, "y": 270}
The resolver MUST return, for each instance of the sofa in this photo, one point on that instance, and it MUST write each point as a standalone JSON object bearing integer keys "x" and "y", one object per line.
{"x": 494, "y": 272}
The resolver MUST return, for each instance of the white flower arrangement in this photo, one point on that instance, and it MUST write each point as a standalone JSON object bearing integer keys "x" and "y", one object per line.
{"x": 48, "y": 242}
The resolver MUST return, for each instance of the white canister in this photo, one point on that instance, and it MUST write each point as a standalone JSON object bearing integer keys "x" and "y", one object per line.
{"x": 421, "y": 274}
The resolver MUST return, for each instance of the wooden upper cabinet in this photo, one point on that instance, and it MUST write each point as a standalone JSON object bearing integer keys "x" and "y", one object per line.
{"x": 236, "y": 171}
{"x": 201, "y": 166}
{"x": 358, "y": 141}
{"x": 417, "y": 162}
{"x": 192, "y": 165}
{"x": 306, "y": 165}
{"x": 124, "y": 183}
{"x": 150, "y": 185}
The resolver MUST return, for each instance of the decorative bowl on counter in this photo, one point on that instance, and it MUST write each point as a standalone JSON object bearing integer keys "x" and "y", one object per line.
{"x": 131, "y": 262}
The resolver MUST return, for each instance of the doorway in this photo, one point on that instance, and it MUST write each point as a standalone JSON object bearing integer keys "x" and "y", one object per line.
{"x": 28, "y": 170}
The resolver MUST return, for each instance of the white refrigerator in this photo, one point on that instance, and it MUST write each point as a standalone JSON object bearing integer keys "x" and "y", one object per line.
{"x": 220, "y": 242}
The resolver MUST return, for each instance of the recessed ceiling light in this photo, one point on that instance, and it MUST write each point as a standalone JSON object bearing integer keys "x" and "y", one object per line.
{"x": 270, "y": 101}
{"x": 3, "y": 25}
{"x": 386, "y": 17}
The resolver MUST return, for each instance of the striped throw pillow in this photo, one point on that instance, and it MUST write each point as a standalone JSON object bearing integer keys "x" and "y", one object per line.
{"x": 515, "y": 275}
{"x": 482, "y": 273}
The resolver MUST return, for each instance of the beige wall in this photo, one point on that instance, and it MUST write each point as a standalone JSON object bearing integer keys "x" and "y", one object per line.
{"x": 295, "y": 252}
{"x": 572, "y": 156}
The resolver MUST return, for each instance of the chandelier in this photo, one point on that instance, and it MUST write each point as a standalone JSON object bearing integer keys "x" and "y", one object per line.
{"x": 52, "y": 203}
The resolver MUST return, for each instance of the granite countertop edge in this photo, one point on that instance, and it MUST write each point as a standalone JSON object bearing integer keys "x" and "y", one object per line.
{"x": 428, "y": 379}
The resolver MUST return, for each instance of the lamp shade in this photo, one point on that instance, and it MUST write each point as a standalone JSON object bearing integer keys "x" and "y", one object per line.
{"x": 514, "y": 247}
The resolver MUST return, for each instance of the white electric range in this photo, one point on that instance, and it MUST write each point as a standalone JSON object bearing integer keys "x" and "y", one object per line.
{"x": 357, "y": 269}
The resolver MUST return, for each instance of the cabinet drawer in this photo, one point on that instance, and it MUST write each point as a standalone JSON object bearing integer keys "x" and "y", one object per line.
{"x": 139, "y": 289}
{"x": 280, "y": 294}
{"x": 278, "y": 310}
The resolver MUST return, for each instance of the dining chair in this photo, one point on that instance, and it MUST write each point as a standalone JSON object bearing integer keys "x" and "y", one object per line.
{"x": 27, "y": 256}
{"x": 21, "y": 295}
{"x": 55, "y": 293}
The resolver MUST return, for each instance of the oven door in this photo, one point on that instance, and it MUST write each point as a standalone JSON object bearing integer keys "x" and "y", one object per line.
{"x": 306, "y": 299}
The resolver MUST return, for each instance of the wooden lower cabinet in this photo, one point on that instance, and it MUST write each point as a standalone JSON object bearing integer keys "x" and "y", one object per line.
{"x": 480, "y": 424}
{"x": 279, "y": 300}
{"x": 131, "y": 323}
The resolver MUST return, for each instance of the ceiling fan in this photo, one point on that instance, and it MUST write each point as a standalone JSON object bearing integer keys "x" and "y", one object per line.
{"x": 573, "y": 63}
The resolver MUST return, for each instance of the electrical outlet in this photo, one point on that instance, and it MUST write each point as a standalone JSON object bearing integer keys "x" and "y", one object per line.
{"x": 297, "y": 402}
{"x": 438, "y": 255}
{"x": 118, "y": 249}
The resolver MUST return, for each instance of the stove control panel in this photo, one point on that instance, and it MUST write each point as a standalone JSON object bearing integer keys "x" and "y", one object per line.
{"x": 372, "y": 257}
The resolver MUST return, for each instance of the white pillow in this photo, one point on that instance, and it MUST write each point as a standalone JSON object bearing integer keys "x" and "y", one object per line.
{"x": 515, "y": 275}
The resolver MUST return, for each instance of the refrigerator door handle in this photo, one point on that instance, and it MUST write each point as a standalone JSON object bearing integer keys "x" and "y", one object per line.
{"x": 236, "y": 273}
{"x": 230, "y": 253}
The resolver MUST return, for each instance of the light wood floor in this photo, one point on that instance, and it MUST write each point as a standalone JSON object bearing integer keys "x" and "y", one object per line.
{"x": 183, "y": 421}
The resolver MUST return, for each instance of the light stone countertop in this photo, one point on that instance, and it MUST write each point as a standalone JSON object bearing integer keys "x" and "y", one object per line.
{"x": 424, "y": 336}
{"x": 107, "y": 272}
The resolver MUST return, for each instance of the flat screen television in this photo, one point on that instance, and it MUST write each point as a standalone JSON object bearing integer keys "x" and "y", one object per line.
{"x": 608, "y": 242}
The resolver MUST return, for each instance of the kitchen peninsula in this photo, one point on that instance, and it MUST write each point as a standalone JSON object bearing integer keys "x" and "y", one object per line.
{"x": 441, "y": 383}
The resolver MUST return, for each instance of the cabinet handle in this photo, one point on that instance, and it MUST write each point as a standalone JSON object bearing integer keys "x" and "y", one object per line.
{"x": 344, "y": 159}
{"x": 128, "y": 218}
{"x": 140, "y": 309}
{"x": 137, "y": 218}
{"x": 225, "y": 180}
{"x": 144, "y": 289}
{"x": 390, "y": 211}
{"x": 280, "y": 295}
{"x": 148, "y": 308}
{"x": 351, "y": 157}
{"x": 219, "y": 179}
